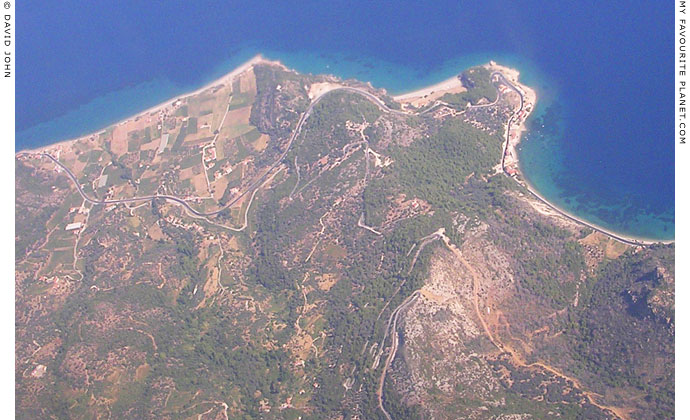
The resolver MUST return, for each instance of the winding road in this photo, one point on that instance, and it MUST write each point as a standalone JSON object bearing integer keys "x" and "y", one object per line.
{"x": 394, "y": 347}
{"x": 633, "y": 242}
{"x": 512, "y": 117}
{"x": 392, "y": 321}
{"x": 378, "y": 102}
{"x": 255, "y": 184}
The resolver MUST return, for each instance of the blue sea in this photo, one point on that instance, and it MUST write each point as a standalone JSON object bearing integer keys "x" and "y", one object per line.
{"x": 600, "y": 144}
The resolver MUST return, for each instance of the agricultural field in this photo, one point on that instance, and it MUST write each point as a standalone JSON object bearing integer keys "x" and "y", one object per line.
{"x": 266, "y": 248}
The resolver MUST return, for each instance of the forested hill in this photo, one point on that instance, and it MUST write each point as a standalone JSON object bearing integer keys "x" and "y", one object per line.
{"x": 343, "y": 259}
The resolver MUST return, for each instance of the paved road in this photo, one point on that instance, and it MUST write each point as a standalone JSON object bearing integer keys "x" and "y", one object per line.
{"x": 377, "y": 101}
{"x": 542, "y": 199}
{"x": 394, "y": 347}
{"x": 251, "y": 187}
{"x": 512, "y": 118}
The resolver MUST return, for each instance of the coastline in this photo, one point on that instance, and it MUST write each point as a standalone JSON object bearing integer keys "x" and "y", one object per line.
{"x": 510, "y": 164}
{"x": 621, "y": 237}
{"x": 451, "y": 83}
{"x": 510, "y": 159}
{"x": 222, "y": 80}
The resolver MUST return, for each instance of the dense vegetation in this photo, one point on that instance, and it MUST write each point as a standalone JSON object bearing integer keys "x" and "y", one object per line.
{"x": 175, "y": 316}
{"x": 436, "y": 168}
{"x": 624, "y": 327}
{"x": 477, "y": 80}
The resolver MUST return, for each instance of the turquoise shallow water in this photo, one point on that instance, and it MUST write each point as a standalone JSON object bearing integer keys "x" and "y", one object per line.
{"x": 118, "y": 105}
{"x": 604, "y": 153}
{"x": 543, "y": 162}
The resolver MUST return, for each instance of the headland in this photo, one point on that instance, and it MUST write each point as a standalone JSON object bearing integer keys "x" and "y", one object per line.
{"x": 515, "y": 128}
{"x": 506, "y": 78}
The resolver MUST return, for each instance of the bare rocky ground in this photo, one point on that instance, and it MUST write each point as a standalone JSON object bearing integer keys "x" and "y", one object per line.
{"x": 385, "y": 271}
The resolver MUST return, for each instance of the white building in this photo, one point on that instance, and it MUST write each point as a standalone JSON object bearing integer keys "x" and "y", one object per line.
{"x": 73, "y": 226}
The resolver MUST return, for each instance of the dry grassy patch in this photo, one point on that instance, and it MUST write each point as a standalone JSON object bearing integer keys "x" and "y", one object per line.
{"x": 142, "y": 372}
{"x": 612, "y": 249}
{"x": 199, "y": 184}
{"x": 260, "y": 144}
{"x": 220, "y": 105}
{"x": 248, "y": 82}
{"x": 118, "y": 144}
{"x": 187, "y": 173}
{"x": 238, "y": 116}
{"x": 155, "y": 232}
{"x": 234, "y": 244}
{"x": 327, "y": 281}
{"x": 152, "y": 145}
{"x": 219, "y": 187}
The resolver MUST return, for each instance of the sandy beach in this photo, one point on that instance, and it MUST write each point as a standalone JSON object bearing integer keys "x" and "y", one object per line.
{"x": 427, "y": 94}
{"x": 447, "y": 84}
{"x": 512, "y": 163}
{"x": 416, "y": 98}
{"x": 627, "y": 239}
{"x": 518, "y": 124}
{"x": 223, "y": 80}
